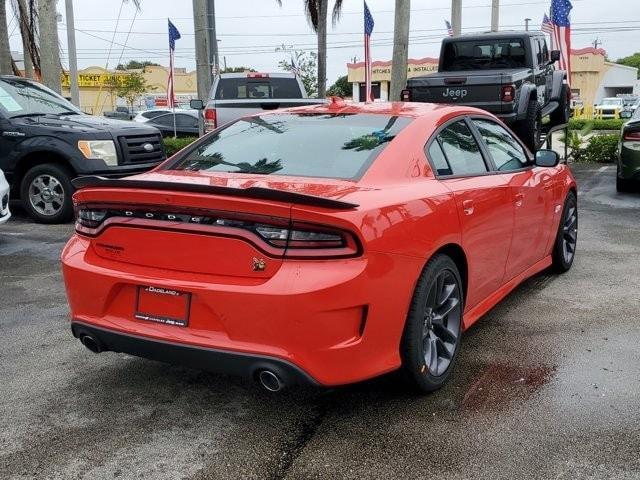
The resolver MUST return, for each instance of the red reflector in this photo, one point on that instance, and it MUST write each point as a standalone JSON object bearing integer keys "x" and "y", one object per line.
{"x": 405, "y": 95}
{"x": 508, "y": 93}
{"x": 632, "y": 136}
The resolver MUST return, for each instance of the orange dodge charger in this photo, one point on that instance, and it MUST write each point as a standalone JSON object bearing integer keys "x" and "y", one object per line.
{"x": 318, "y": 245}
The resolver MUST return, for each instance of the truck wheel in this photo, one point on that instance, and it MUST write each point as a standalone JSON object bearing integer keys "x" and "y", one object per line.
{"x": 530, "y": 129}
{"x": 561, "y": 115}
{"x": 46, "y": 193}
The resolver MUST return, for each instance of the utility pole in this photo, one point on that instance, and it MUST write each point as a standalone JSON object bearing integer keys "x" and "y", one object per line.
{"x": 400, "y": 49}
{"x": 213, "y": 40}
{"x": 49, "y": 53}
{"x": 495, "y": 15}
{"x": 526, "y": 24}
{"x": 456, "y": 16}
{"x": 6, "y": 67}
{"x": 596, "y": 42}
{"x": 73, "y": 60}
{"x": 203, "y": 69}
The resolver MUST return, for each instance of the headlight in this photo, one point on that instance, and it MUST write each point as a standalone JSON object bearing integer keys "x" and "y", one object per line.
{"x": 103, "y": 149}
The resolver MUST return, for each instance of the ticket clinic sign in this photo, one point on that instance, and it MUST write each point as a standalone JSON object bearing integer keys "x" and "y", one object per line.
{"x": 95, "y": 79}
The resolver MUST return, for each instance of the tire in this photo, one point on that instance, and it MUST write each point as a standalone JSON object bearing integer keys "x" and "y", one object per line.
{"x": 564, "y": 247}
{"x": 46, "y": 192}
{"x": 433, "y": 331}
{"x": 530, "y": 129}
{"x": 561, "y": 115}
{"x": 623, "y": 185}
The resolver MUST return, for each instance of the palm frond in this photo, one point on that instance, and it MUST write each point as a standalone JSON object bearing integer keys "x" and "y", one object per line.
{"x": 337, "y": 11}
{"x": 311, "y": 8}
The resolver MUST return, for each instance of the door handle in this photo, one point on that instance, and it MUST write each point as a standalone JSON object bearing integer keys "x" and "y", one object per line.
{"x": 467, "y": 207}
{"x": 519, "y": 199}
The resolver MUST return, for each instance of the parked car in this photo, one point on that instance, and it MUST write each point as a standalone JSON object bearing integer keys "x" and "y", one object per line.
{"x": 46, "y": 142}
{"x": 628, "y": 168}
{"x": 5, "y": 214}
{"x": 186, "y": 123}
{"x": 234, "y": 95}
{"x": 396, "y": 230}
{"x": 147, "y": 115}
{"x": 121, "y": 113}
{"x": 609, "y": 107}
{"x": 509, "y": 74}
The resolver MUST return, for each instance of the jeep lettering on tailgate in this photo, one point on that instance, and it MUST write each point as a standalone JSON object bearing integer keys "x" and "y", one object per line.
{"x": 455, "y": 94}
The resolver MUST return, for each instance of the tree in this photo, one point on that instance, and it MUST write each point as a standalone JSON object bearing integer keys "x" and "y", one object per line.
{"x": 306, "y": 63}
{"x": 131, "y": 86}
{"x": 342, "y": 88}
{"x": 631, "y": 61}
{"x": 135, "y": 65}
{"x": 6, "y": 67}
{"x": 49, "y": 52}
{"x": 316, "y": 11}
{"x": 237, "y": 70}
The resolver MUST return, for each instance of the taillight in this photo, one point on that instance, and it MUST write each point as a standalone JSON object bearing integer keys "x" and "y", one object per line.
{"x": 257, "y": 75}
{"x": 632, "y": 136}
{"x": 210, "y": 119}
{"x": 405, "y": 95}
{"x": 281, "y": 236}
{"x": 508, "y": 93}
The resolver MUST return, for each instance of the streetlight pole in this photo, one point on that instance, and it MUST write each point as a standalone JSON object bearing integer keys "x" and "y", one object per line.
{"x": 73, "y": 60}
{"x": 456, "y": 16}
{"x": 526, "y": 24}
{"x": 495, "y": 15}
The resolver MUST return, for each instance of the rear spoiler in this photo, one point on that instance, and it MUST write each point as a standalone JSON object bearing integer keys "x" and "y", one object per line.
{"x": 251, "y": 192}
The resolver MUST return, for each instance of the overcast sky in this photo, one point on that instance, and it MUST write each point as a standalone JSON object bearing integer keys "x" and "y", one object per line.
{"x": 250, "y": 30}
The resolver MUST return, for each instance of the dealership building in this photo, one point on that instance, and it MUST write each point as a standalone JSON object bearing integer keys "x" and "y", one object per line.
{"x": 593, "y": 77}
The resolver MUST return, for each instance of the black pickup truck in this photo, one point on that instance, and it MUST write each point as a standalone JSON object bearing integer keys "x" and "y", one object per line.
{"x": 509, "y": 74}
{"x": 45, "y": 142}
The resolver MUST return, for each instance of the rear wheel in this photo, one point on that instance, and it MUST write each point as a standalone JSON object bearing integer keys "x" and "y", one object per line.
{"x": 564, "y": 249}
{"x": 46, "y": 192}
{"x": 431, "y": 336}
{"x": 530, "y": 129}
{"x": 622, "y": 184}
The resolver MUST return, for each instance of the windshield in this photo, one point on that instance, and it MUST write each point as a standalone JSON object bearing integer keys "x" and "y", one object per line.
{"x": 483, "y": 54}
{"x": 257, "y": 88}
{"x": 308, "y": 145}
{"x": 19, "y": 97}
{"x": 612, "y": 101}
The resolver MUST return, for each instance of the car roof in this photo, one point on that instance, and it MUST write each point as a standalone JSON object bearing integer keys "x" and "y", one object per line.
{"x": 495, "y": 35}
{"x": 399, "y": 109}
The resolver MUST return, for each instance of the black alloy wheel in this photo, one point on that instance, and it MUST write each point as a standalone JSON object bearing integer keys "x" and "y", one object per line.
{"x": 564, "y": 250}
{"x": 432, "y": 333}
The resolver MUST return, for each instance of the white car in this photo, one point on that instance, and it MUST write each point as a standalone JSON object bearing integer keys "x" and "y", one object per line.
{"x": 609, "y": 107}
{"x": 5, "y": 214}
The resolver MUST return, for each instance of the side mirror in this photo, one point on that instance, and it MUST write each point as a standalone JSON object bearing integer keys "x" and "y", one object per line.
{"x": 547, "y": 158}
{"x": 626, "y": 114}
{"x": 196, "y": 104}
{"x": 555, "y": 56}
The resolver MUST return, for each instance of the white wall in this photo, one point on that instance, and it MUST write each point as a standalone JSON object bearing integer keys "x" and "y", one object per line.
{"x": 617, "y": 77}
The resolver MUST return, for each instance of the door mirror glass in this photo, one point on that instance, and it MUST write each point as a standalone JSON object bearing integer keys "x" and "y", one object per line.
{"x": 555, "y": 55}
{"x": 547, "y": 158}
{"x": 196, "y": 104}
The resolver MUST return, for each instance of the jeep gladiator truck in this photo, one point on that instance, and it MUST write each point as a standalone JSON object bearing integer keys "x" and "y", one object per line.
{"x": 235, "y": 95}
{"x": 45, "y": 141}
{"x": 509, "y": 74}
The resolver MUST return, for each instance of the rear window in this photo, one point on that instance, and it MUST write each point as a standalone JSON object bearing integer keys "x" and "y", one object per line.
{"x": 257, "y": 88}
{"x": 484, "y": 55}
{"x": 307, "y": 145}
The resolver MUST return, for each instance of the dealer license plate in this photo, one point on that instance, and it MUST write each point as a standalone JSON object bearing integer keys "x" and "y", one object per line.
{"x": 162, "y": 305}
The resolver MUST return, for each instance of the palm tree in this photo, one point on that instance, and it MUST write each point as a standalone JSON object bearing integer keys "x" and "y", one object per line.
{"x": 400, "y": 48}
{"x": 6, "y": 67}
{"x": 316, "y": 11}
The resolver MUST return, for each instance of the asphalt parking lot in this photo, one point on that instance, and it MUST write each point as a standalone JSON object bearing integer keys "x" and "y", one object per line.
{"x": 547, "y": 385}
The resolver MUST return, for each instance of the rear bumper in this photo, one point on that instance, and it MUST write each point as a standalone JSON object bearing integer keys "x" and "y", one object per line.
{"x": 219, "y": 361}
{"x": 629, "y": 161}
{"x": 336, "y": 322}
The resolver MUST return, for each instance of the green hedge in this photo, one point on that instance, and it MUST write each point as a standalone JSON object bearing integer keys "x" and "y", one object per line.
{"x": 172, "y": 145}
{"x": 609, "y": 124}
{"x": 599, "y": 148}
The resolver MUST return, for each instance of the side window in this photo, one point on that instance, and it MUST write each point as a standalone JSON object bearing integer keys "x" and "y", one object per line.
{"x": 438, "y": 160}
{"x": 461, "y": 150}
{"x": 538, "y": 51}
{"x": 506, "y": 152}
{"x": 545, "y": 51}
{"x": 184, "y": 120}
{"x": 165, "y": 120}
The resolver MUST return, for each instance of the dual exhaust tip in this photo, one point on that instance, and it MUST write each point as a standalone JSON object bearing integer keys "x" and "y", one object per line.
{"x": 267, "y": 379}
